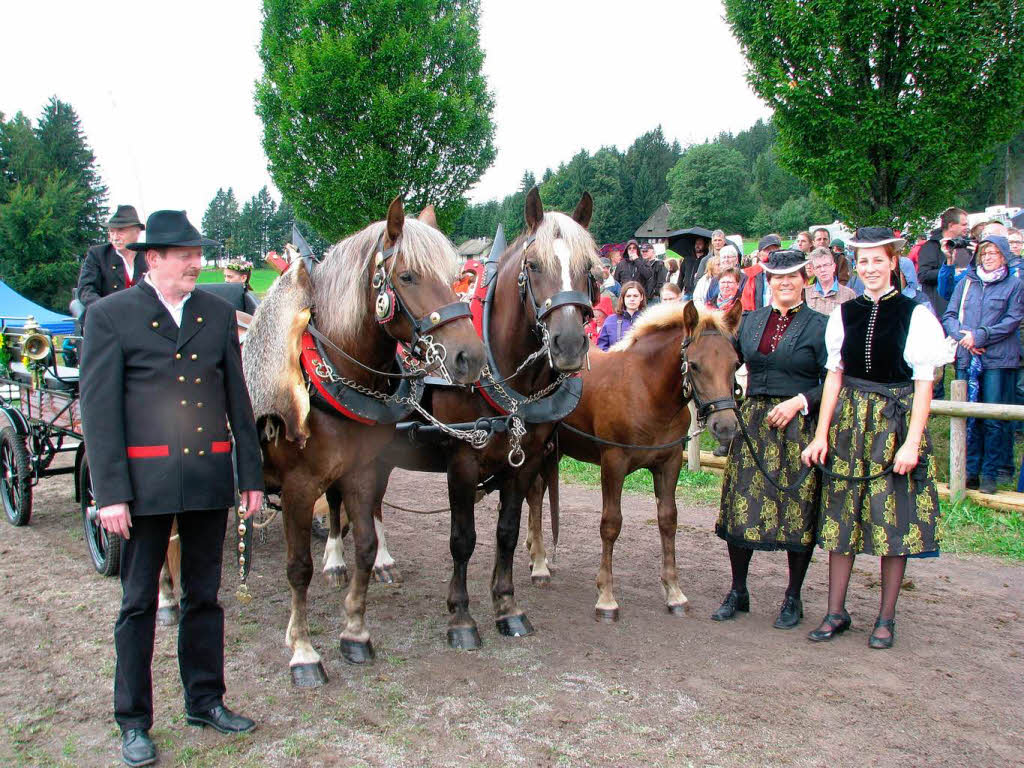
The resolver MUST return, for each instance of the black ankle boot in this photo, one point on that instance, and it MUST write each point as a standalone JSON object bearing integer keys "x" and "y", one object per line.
{"x": 790, "y": 614}
{"x": 734, "y": 601}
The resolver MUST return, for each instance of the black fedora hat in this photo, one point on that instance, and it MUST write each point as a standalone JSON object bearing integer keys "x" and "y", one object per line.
{"x": 125, "y": 216}
{"x": 784, "y": 261}
{"x": 169, "y": 229}
{"x": 871, "y": 237}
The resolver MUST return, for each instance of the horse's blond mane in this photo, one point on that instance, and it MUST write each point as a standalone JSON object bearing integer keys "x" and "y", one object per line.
{"x": 581, "y": 243}
{"x": 668, "y": 317}
{"x": 340, "y": 281}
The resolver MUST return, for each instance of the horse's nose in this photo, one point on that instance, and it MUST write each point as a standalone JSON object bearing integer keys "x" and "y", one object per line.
{"x": 569, "y": 344}
{"x": 467, "y": 366}
{"x": 724, "y": 427}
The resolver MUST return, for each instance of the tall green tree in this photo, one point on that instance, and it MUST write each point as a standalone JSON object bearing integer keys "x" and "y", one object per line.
{"x": 709, "y": 188}
{"x": 886, "y": 108}
{"x": 65, "y": 149}
{"x": 368, "y": 99}
{"x": 221, "y": 220}
{"x": 645, "y": 168}
{"x": 39, "y": 241}
{"x": 21, "y": 157}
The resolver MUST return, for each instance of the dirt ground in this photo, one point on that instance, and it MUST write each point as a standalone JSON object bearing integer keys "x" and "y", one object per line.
{"x": 653, "y": 689}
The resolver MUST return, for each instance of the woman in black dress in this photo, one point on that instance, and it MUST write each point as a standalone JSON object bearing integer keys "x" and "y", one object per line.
{"x": 783, "y": 346}
{"x": 883, "y": 349}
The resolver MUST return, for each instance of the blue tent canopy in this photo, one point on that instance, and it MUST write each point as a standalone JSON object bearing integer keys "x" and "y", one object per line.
{"x": 14, "y": 308}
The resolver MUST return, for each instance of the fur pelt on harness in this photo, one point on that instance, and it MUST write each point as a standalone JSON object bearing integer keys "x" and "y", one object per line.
{"x": 270, "y": 357}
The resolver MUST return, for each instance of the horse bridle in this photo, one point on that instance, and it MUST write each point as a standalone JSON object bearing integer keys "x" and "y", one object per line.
{"x": 689, "y": 391}
{"x": 389, "y": 302}
{"x": 560, "y": 299}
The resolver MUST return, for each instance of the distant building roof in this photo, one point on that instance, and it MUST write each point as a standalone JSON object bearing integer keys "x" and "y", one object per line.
{"x": 656, "y": 224}
{"x": 475, "y": 247}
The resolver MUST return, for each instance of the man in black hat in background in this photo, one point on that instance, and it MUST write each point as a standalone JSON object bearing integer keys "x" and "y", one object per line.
{"x": 161, "y": 380}
{"x": 113, "y": 267}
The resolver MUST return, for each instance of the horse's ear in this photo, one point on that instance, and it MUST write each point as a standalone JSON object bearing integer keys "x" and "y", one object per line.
{"x": 690, "y": 318}
{"x": 429, "y": 217}
{"x": 534, "y": 210}
{"x": 733, "y": 316}
{"x": 584, "y": 210}
{"x": 396, "y": 219}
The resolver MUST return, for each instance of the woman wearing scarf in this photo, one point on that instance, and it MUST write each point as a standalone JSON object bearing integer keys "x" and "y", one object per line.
{"x": 883, "y": 349}
{"x": 984, "y": 315}
{"x": 728, "y": 290}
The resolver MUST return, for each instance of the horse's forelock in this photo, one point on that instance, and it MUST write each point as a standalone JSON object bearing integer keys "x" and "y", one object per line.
{"x": 668, "y": 316}
{"x": 339, "y": 290}
{"x": 582, "y": 248}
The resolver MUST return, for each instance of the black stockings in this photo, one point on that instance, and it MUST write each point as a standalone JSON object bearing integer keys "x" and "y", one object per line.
{"x": 739, "y": 559}
{"x": 841, "y": 566}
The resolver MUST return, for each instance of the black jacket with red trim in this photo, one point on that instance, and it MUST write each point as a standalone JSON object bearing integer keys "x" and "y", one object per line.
{"x": 103, "y": 273}
{"x": 157, "y": 400}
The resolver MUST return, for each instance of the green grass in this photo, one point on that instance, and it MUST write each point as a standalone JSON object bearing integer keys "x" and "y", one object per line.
{"x": 694, "y": 487}
{"x": 260, "y": 281}
{"x": 971, "y": 528}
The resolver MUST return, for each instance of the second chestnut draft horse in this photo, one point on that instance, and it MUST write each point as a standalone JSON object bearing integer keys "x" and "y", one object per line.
{"x": 636, "y": 394}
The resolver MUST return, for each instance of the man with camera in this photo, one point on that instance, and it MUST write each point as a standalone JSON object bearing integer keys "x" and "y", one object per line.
{"x": 942, "y": 242}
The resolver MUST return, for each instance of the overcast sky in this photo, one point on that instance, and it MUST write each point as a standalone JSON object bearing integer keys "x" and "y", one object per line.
{"x": 165, "y": 90}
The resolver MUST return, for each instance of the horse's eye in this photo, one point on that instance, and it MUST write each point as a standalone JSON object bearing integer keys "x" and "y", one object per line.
{"x": 407, "y": 277}
{"x": 533, "y": 266}
{"x": 695, "y": 367}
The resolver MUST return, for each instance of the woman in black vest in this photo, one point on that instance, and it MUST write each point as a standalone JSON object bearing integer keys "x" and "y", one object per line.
{"x": 882, "y": 352}
{"x": 783, "y": 346}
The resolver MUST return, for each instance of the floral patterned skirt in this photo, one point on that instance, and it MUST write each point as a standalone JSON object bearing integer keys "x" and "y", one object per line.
{"x": 754, "y": 513}
{"x": 893, "y": 514}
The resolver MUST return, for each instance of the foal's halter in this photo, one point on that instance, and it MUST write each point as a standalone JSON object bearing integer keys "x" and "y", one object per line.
{"x": 389, "y": 302}
{"x": 704, "y": 408}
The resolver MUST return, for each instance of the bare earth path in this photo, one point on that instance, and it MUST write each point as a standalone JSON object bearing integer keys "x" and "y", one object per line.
{"x": 651, "y": 690}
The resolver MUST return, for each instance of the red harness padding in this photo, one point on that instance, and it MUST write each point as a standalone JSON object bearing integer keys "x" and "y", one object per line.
{"x": 310, "y": 358}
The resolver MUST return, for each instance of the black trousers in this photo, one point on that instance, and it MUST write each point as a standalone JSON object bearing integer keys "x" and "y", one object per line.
{"x": 201, "y": 629}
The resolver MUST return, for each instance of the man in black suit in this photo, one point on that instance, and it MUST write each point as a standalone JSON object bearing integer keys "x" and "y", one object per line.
{"x": 113, "y": 267}
{"x": 161, "y": 380}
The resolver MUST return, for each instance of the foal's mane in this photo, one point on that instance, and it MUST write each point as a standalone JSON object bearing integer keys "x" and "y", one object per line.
{"x": 669, "y": 317}
{"x": 340, "y": 285}
{"x": 582, "y": 248}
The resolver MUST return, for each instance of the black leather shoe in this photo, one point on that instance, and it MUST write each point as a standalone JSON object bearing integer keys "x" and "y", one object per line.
{"x": 734, "y": 601}
{"x": 972, "y": 483}
{"x": 222, "y": 719}
{"x": 137, "y": 748}
{"x": 882, "y": 643}
{"x": 837, "y": 624}
{"x": 987, "y": 485}
{"x": 790, "y": 614}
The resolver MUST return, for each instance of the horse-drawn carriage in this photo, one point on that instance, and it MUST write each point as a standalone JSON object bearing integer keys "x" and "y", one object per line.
{"x": 39, "y": 397}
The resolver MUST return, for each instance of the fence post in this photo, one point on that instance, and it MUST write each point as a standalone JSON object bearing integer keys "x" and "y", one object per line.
{"x": 957, "y": 445}
{"x": 693, "y": 446}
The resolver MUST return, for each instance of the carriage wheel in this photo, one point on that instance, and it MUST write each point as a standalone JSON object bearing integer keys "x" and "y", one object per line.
{"x": 15, "y": 477}
{"x": 104, "y": 548}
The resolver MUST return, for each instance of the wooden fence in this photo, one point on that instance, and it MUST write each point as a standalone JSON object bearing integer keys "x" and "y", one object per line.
{"x": 958, "y": 410}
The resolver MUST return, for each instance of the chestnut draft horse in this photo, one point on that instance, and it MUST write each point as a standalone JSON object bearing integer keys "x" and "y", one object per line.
{"x": 533, "y": 328}
{"x": 636, "y": 394}
{"x": 390, "y": 282}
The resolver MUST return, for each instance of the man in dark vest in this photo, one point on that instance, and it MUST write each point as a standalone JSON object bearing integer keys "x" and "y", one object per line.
{"x": 113, "y": 267}
{"x": 161, "y": 380}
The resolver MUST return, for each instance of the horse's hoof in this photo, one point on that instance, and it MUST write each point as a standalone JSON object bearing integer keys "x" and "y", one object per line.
{"x": 514, "y": 626}
{"x": 540, "y": 581}
{"x": 337, "y": 577}
{"x": 308, "y": 675}
{"x": 167, "y": 616}
{"x": 464, "y": 638}
{"x": 609, "y": 615}
{"x": 680, "y": 609}
{"x": 355, "y": 652}
{"x": 387, "y": 575}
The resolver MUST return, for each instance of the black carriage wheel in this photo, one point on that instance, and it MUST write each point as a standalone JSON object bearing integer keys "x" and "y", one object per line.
{"x": 15, "y": 477}
{"x": 104, "y": 548}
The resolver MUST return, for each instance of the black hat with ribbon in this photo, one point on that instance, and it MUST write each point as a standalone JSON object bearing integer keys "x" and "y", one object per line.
{"x": 872, "y": 237}
{"x": 785, "y": 261}
{"x": 171, "y": 229}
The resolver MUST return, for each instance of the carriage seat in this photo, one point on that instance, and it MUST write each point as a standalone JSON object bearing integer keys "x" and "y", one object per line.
{"x": 21, "y": 373}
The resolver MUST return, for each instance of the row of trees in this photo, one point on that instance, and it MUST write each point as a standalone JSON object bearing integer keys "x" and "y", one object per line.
{"x": 52, "y": 203}
{"x": 261, "y": 225}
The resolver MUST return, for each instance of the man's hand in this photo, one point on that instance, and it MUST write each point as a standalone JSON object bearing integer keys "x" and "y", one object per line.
{"x": 967, "y": 342}
{"x": 252, "y": 502}
{"x": 116, "y": 519}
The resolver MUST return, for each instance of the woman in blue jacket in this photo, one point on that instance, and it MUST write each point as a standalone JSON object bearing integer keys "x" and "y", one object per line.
{"x": 632, "y": 302}
{"x": 984, "y": 315}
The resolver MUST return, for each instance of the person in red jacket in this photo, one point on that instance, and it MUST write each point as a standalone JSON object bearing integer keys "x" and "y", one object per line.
{"x": 756, "y": 293}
